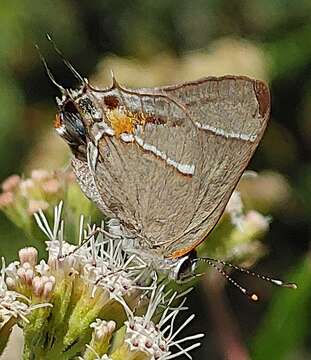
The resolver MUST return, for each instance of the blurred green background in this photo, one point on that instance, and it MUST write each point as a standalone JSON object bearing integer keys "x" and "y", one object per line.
{"x": 160, "y": 42}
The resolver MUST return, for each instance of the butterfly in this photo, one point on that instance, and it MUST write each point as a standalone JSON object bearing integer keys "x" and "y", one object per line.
{"x": 163, "y": 161}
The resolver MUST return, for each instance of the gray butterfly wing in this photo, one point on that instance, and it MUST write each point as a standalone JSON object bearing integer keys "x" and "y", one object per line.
{"x": 147, "y": 182}
{"x": 169, "y": 185}
{"x": 232, "y": 113}
{"x": 87, "y": 184}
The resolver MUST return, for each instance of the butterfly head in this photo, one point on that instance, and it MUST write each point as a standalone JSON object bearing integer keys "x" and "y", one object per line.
{"x": 76, "y": 113}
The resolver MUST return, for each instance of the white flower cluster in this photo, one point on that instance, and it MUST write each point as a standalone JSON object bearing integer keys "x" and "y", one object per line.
{"x": 13, "y": 303}
{"x": 88, "y": 280}
{"x": 157, "y": 339}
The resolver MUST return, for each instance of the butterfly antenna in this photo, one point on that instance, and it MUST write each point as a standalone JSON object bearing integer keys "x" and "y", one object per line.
{"x": 252, "y": 296}
{"x": 49, "y": 73}
{"x": 65, "y": 61}
{"x": 252, "y": 273}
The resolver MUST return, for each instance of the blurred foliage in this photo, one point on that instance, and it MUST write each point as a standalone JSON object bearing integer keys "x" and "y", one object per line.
{"x": 21, "y": 198}
{"x": 287, "y": 322}
{"x": 155, "y": 42}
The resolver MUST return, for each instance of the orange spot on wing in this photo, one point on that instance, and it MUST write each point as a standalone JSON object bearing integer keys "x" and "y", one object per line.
{"x": 121, "y": 122}
{"x": 125, "y": 121}
{"x": 182, "y": 252}
{"x": 186, "y": 250}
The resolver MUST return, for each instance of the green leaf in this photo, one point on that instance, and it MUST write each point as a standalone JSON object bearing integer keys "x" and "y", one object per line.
{"x": 287, "y": 322}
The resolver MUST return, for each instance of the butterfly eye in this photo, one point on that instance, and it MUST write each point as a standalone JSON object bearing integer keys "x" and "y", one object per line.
{"x": 69, "y": 124}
